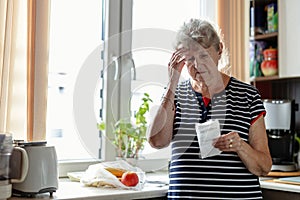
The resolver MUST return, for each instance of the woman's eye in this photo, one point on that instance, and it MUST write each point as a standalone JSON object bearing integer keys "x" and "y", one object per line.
{"x": 203, "y": 56}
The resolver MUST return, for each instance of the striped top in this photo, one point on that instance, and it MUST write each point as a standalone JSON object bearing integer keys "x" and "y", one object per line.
{"x": 218, "y": 177}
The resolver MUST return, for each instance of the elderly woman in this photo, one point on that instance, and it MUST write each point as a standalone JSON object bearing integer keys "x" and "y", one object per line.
{"x": 210, "y": 94}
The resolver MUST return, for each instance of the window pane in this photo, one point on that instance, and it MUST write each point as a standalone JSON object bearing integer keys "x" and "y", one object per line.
{"x": 162, "y": 19}
{"x": 75, "y": 32}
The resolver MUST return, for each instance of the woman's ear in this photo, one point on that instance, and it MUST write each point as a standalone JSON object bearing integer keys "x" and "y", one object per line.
{"x": 220, "y": 48}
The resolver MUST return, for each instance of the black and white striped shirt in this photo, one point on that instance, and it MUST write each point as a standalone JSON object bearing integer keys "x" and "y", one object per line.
{"x": 218, "y": 177}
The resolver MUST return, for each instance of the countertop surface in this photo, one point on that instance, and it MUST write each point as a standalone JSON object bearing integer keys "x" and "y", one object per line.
{"x": 269, "y": 183}
{"x": 155, "y": 186}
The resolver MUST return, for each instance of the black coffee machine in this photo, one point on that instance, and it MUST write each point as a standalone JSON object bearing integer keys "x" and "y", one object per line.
{"x": 280, "y": 125}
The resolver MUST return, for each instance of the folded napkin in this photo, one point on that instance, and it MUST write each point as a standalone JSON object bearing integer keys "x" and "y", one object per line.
{"x": 207, "y": 133}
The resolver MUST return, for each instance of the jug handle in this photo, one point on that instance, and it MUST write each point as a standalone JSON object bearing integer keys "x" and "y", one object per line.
{"x": 24, "y": 166}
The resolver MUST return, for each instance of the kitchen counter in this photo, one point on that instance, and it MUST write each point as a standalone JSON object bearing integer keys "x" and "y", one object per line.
{"x": 278, "y": 191}
{"x": 268, "y": 183}
{"x": 154, "y": 188}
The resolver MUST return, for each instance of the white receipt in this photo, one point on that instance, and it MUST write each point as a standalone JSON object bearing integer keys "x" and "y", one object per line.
{"x": 207, "y": 132}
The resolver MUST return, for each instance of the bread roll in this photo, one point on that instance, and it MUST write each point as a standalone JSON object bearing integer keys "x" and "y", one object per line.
{"x": 118, "y": 172}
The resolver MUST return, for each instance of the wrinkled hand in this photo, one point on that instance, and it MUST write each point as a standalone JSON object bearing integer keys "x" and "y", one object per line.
{"x": 229, "y": 142}
{"x": 177, "y": 62}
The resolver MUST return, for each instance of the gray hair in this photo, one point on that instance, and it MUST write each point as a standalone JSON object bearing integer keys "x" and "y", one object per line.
{"x": 205, "y": 33}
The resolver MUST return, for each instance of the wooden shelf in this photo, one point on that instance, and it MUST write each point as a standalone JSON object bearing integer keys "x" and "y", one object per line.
{"x": 272, "y": 35}
{"x": 264, "y": 78}
{"x": 273, "y": 78}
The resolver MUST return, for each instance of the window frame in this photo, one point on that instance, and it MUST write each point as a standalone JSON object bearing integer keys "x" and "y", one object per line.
{"x": 116, "y": 36}
{"x": 117, "y": 63}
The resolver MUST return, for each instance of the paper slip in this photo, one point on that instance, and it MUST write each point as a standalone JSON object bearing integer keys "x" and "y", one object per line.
{"x": 207, "y": 132}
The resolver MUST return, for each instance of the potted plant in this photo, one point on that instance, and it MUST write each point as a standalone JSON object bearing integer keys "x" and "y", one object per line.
{"x": 130, "y": 137}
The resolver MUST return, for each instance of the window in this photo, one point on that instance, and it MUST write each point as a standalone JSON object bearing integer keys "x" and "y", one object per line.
{"x": 157, "y": 25}
{"x": 75, "y": 33}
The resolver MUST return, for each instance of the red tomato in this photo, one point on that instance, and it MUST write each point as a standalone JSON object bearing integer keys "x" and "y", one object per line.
{"x": 130, "y": 179}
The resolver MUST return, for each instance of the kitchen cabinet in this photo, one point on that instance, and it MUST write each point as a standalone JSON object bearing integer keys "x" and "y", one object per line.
{"x": 260, "y": 39}
{"x": 286, "y": 84}
{"x": 263, "y": 35}
{"x": 286, "y": 39}
{"x": 269, "y": 194}
{"x": 273, "y": 190}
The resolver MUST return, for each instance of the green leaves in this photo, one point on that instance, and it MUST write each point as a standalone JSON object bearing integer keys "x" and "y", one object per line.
{"x": 130, "y": 138}
{"x": 133, "y": 135}
{"x": 144, "y": 107}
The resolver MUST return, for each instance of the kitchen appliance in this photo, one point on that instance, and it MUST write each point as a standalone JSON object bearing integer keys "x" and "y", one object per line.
{"x": 5, "y": 153}
{"x": 42, "y": 172}
{"x": 280, "y": 126}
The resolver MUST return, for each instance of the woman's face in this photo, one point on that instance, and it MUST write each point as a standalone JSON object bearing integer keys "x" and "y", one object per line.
{"x": 202, "y": 64}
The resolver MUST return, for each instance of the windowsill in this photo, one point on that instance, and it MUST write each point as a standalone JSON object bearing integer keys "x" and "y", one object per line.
{"x": 147, "y": 165}
{"x": 74, "y": 166}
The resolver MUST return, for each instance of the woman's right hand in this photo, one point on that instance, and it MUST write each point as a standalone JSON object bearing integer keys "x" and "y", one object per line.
{"x": 176, "y": 63}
